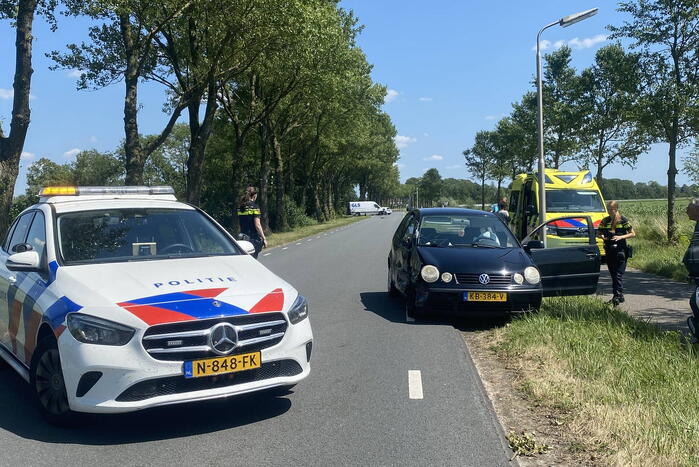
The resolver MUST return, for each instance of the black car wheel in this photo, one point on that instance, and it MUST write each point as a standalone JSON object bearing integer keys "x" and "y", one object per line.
{"x": 392, "y": 291}
{"x": 411, "y": 308}
{"x": 46, "y": 378}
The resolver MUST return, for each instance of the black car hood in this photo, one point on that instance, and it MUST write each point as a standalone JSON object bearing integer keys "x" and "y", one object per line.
{"x": 476, "y": 260}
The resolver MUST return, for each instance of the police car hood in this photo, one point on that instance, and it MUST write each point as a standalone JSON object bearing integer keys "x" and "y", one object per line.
{"x": 173, "y": 290}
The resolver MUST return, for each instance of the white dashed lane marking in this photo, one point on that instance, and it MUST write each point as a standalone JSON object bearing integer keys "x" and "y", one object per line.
{"x": 285, "y": 248}
{"x": 414, "y": 384}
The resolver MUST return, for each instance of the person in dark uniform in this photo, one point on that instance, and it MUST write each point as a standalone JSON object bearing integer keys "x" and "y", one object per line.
{"x": 249, "y": 216}
{"x": 615, "y": 229}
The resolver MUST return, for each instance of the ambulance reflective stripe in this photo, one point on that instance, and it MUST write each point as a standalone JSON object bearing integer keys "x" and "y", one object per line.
{"x": 570, "y": 223}
{"x": 195, "y": 304}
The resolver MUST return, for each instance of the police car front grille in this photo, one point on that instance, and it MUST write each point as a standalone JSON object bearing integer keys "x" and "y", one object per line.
{"x": 178, "y": 384}
{"x": 189, "y": 340}
{"x": 495, "y": 279}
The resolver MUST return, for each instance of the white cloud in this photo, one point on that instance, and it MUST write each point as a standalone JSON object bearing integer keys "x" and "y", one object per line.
{"x": 455, "y": 166}
{"x": 402, "y": 142}
{"x": 433, "y": 157}
{"x": 391, "y": 94}
{"x": 27, "y": 156}
{"x": 425, "y": 99}
{"x": 75, "y": 73}
{"x": 575, "y": 43}
{"x": 72, "y": 152}
{"x": 490, "y": 117}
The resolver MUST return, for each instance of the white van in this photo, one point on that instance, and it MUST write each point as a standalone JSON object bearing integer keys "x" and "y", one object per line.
{"x": 357, "y": 208}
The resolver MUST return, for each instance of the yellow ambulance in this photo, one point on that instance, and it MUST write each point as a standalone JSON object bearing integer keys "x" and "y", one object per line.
{"x": 567, "y": 193}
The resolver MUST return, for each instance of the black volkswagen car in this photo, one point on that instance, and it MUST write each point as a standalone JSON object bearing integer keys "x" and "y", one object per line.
{"x": 468, "y": 262}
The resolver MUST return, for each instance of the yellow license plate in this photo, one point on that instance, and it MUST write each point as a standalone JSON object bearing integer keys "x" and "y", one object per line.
{"x": 222, "y": 365}
{"x": 485, "y": 296}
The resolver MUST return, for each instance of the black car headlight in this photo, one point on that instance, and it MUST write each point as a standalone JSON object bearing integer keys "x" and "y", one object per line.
{"x": 91, "y": 330}
{"x": 429, "y": 273}
{"x": 299, "y": 310}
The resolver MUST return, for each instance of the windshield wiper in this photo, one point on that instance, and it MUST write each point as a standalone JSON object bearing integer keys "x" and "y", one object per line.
{"x": 481, "y": 245}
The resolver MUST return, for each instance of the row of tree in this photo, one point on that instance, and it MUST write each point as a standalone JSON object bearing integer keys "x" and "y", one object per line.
{"x": 275, "y": 93}
{"x": 612, "y": 111}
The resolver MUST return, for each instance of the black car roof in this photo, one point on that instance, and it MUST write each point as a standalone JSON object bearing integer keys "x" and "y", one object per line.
{"x": 450, "y": 212}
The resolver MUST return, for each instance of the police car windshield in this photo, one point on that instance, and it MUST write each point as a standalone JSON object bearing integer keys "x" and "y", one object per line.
{"x": 118, "y": 235}
{"x": 464, "y": 230}
{"x": 573, "y": 201}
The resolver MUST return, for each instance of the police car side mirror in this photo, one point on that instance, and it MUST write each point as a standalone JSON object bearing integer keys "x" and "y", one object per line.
{"x": 26, "y": 261}
{"x": 247, "y": 246}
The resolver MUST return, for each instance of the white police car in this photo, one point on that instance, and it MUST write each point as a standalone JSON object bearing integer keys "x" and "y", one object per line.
{"x": 114, "y": 299}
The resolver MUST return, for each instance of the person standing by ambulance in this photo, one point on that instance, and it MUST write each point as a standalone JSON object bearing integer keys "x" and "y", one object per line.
{"x": 249, "y": 216}
{"x": 615, "y": 229}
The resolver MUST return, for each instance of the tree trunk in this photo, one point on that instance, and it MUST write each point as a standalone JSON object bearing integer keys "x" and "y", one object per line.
{"x": 598, "y": 176}
{"x": 11, "y": 146}
{"x": 483, "y": 193}
{"x": 499, "y": 186}
{"x": 280, "y": 214}
{"x": 671, "y": 173}
{"x": 199, "y": 137}
{"x": 236, "y": 181}
{"x": 132, "y": 143}
{"x": 317, "y": 205}
{"x": 262, "y": 196}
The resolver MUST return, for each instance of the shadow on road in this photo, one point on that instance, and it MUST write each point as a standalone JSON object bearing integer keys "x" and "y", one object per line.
{"x": 19, "y": 416}
{"x": 393, "y": 310}
{"x": 641, "y": 283}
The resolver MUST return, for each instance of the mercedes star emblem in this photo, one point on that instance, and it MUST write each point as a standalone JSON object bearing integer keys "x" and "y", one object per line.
{"x": 223, "y": 338}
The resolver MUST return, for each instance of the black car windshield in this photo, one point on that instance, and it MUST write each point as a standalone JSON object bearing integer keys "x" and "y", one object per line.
{"x": 465, "y": 230}
{"x": 573, "y": 201}
{"x": 117, "y": 235}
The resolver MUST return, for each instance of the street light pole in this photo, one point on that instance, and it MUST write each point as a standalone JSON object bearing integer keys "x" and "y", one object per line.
{"x": 564, "y": 22}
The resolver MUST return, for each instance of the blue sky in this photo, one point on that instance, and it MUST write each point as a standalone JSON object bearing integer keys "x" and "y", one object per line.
{"x": 452, "y": 67}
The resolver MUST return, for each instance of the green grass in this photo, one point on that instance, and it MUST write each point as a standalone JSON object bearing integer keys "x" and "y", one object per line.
{"x": 652, "y": 252}
{"x": 627, "y": 390}
{"x": 282, "y": 238}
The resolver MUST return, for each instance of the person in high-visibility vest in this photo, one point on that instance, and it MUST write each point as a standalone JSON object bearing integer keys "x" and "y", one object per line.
{"x": 615, "y": 229}
{"x": 249, "y": 216}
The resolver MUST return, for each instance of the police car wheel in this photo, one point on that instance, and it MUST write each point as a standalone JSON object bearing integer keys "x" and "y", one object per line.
{"x": 46, "y": 378}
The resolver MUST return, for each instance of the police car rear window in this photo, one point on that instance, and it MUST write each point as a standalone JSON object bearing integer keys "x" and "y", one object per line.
{"x": 117, "y": 235}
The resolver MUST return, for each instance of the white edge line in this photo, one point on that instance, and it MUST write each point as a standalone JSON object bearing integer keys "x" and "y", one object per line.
{"x": 415, "y": 384}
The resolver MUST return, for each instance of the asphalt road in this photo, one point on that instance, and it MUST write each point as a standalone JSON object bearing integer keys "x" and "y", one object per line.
{"x": 361, "y": 405}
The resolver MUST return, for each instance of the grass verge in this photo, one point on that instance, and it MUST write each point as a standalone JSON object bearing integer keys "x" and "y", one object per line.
{"x": 282, "y": 238}
{"x": 626, "y": 390}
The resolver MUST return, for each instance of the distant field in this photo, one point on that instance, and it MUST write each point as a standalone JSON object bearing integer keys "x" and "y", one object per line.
{"x": 652, "y": 253}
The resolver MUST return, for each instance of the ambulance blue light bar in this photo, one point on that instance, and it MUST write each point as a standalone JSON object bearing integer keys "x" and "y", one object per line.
{"x": 105, "y": 190}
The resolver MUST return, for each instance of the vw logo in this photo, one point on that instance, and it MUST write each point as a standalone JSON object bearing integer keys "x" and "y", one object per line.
{"x": 223, "y": 338}
{"x": 484, "y": 279}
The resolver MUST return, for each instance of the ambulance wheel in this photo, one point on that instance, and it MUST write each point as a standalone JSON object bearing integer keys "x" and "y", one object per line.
{"x": 46, "y": 379}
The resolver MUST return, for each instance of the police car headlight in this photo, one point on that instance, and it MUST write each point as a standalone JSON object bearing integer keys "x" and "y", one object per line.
{"x": 429, "y": 273}
{"x": 299, "y": 310}
{"x": 531, "y": 274}
{"x": 91, "y": 330}
{"x": 518, "y": 278}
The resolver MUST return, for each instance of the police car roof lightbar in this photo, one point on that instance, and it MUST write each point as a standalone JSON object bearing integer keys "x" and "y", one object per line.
{"x": 105, "y": 190}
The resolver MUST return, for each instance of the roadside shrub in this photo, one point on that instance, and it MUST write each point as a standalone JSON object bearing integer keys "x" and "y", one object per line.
{"x": 296, "y": 215}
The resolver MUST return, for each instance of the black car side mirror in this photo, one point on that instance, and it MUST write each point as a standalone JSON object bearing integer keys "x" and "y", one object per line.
{"x": 534, "y": 245}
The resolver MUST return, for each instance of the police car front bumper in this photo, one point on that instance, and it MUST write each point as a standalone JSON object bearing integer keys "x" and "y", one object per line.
{"x": 132, "y": 380}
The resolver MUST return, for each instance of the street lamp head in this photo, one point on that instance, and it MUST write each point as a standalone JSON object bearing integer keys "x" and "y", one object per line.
{"x": 577, "y": 17}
